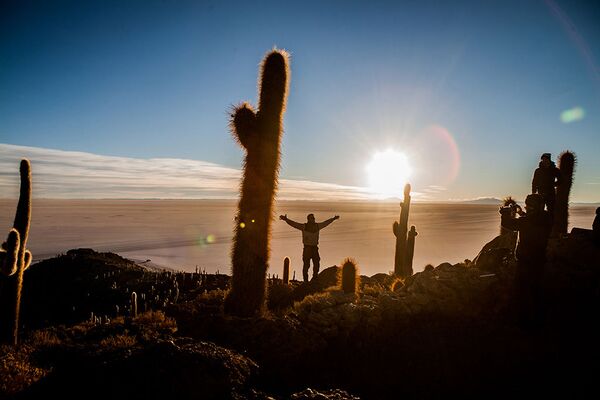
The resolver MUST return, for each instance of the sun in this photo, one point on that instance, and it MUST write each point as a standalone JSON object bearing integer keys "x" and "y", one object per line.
{"x": 388, "y": 172}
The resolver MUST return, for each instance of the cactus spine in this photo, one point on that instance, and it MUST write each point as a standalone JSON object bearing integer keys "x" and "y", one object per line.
{"x": 410, "y": 249}
{"x": 133, "y": 305}
{"x": 286, "y": 271}
{"x": 14, "y": 256}
{"x": 350, "y": 278}
{"x": 566, "y": 165}
{"x": 400, "y": 230}
{"x": 259, "y": 133}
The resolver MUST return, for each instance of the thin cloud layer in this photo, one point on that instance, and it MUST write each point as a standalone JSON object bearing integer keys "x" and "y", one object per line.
{"x": 69, "y": 174}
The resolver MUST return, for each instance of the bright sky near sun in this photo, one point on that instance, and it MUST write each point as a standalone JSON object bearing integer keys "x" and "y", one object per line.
{"x": 460, "y": 98}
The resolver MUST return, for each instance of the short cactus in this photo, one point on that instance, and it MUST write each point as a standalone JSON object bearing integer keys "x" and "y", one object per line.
{"x": 286, "y": 271}
{"x": 259, "y": 133}
{"x": 566, "y": 165}
{"x": 350, "y": 277}
{"x": 400, "y": 229}
{"x": 14, "y": 256}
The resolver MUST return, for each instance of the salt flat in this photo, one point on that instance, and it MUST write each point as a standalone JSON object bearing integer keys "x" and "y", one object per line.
{"x": 183, "y": 234}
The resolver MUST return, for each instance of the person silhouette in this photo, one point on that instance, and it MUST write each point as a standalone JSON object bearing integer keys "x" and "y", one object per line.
{"x": 545, "y": 179}
{"x": 534, "y": 228}
{"x": 310, "y": 239}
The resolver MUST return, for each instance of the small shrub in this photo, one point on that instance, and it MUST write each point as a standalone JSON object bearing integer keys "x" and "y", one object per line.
{"x": 396, "y": 284}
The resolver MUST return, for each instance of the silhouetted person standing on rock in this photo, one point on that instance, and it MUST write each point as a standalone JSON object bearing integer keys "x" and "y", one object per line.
{"x": 545, "y": 179}
{"x": 534, "y": 229}
{"x": 310, "y": 239}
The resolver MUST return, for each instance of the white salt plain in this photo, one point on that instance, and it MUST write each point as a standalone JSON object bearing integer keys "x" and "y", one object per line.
{"x": 183, "y": 234}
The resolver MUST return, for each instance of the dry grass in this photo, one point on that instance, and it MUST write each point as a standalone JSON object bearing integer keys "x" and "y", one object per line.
{"x": 17, "y": 372}
{"x": 118, "y": 342}
{"x": 44, "y": 338}
{"x": 156, "y": 320}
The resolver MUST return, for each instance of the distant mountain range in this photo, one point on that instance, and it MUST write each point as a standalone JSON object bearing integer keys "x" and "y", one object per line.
{"x": 496, "y": 201}
{"x": 483, "y": 200}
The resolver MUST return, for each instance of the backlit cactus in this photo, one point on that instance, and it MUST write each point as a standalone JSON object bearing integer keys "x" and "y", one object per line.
{"x": 410, "y": 249}
{"x": 400, "y": 230}
{"x": 566, "y": 165}
{"x": 14, "y": 256}
{"x": 350, "y": 277}
{"x": 286, "y": 271}
{"x": 259, "y": 133}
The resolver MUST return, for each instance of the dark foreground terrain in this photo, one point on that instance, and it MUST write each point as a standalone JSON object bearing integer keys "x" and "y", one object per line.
{"x": 450, "y": 330}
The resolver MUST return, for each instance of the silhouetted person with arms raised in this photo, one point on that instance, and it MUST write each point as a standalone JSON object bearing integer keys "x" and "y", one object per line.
{"x": 310, "y": 239}
{"x": 596, "y": 227}
{"x": 534, "y": 228}
{"x": 545, "y": 179}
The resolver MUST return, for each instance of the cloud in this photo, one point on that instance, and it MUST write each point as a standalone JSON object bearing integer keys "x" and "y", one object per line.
{"x": 71, "y": 174}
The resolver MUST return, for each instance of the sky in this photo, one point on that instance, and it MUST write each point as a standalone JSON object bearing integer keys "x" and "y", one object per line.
{"x": 132, "y": 99}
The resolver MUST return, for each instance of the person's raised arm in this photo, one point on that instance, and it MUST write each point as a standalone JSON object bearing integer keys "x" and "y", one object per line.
{"x": 291, "y": 223}
{"x": 325, "y": 223}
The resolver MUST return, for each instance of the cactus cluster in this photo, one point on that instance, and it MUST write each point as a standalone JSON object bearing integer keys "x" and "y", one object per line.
{"x": 404, "y": 245}
{"x": 14, "y": 256}
{"x": 259, "y": 133}
{"x": 566, "y": 165}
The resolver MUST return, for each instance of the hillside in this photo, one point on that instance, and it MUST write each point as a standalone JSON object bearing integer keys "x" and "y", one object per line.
{"x": 449, "y": 330}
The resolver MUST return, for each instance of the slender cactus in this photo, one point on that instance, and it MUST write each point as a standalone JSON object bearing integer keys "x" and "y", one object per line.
{"x": 259, "y": 133}
{"x": 286, "y": 271}
{"x": 566, "y": 165}
{"x": 410, "y": 250}
{"x": 400, "y": 230}
{"x": 133, "y": 305}
{"x": 14, "y": 256}
{"x": 350, "y": 278}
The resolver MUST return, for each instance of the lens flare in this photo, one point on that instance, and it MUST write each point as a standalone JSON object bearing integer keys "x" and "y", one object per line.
{"x": 572, "y": 115}
{"x": 437, "y": 156}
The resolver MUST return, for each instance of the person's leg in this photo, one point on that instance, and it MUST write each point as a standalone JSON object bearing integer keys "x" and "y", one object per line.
{"x": 306, "y": 263}
{"x": 316, "y": 262}
{"x": 550, "y": 199}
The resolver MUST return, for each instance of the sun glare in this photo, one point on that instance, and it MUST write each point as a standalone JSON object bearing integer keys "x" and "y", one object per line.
{"x": 388, "y": 172}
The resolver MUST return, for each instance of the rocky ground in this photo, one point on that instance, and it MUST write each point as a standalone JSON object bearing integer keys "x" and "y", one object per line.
{"x": 449, "y": 330}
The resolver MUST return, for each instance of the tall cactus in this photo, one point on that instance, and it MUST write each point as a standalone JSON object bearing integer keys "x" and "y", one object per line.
{"x": 350, "y": 277}
{"x": 400, "y": 230}
{"x": 410, "y": 250}
{"x": 566, "y": 165}
{"x": 14, "y": 256}
{"x": 259, "y": 133}
{"x": 286, "y": 271}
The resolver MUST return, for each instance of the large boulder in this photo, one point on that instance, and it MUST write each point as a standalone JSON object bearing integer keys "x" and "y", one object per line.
{"x": 497, "y": 252}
